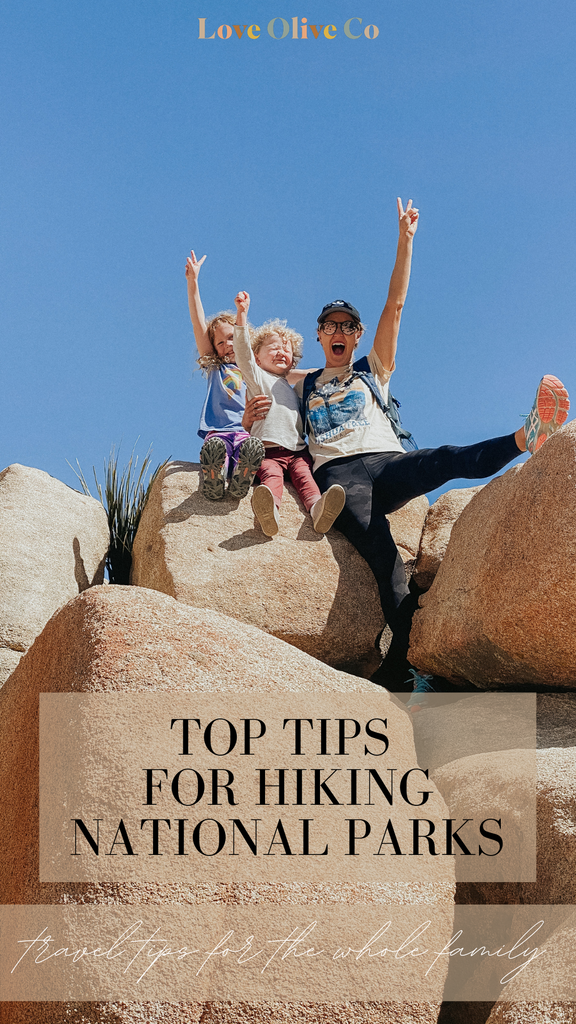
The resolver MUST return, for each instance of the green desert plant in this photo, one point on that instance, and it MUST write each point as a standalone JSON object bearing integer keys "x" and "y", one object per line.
{"x": 123, "y": 496}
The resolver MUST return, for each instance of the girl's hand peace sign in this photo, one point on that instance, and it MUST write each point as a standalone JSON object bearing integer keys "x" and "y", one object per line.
{"x": 193, "y": 266}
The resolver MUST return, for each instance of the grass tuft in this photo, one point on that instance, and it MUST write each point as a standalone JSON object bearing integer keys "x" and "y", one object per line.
{"x": 123, "y": 496}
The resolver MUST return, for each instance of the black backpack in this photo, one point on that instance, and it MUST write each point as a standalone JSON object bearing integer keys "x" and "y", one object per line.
{"x": 361, "y": 368}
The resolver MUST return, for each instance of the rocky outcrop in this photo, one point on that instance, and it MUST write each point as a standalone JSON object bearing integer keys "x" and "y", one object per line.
{"x": 436, "y": 533}
{"x": 499, "y": 786}
{"x": 54, "y": 543}
{"x": 314, "y": 592}
{"x": 501, "y": 610}
{"x": 134, "y": 641}
{"x": 457, "y": 726}
{"x": 539, "y": 995}
{"x": 556, "y": 719}
{"x": 406, "y": 526}
{"x": 555, "y": 830}
{"x": 524, "y": 1011}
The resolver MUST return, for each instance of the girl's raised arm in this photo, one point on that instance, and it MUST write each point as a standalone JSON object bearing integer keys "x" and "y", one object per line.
{"x": 195, "y": 306}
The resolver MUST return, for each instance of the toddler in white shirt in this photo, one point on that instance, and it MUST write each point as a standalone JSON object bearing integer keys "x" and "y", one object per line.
{"x": 265, "y": 363}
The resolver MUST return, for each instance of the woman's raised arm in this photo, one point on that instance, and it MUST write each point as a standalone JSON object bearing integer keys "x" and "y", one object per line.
{"x": 386, "y": 336}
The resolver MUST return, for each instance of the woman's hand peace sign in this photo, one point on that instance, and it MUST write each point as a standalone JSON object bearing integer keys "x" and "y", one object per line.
{"x": 408, "y": 218}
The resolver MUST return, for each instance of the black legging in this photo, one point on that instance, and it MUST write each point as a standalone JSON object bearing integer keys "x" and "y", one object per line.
{"x": 379, "y": 483}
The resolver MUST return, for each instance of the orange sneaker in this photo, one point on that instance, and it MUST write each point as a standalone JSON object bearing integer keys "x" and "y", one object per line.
{"x": 549, "y": 412}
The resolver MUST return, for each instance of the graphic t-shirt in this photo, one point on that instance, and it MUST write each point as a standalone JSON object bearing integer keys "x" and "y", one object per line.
{"x": 223, "y": 408}
{"x": 344, "y": 417}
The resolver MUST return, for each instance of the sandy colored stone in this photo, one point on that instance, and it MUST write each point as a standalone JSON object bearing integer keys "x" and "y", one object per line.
{"x": 522, "y": 1012}
{"x": 222, "y": 1013}
{"x": 132, "y": 640}
{"x": 556, "y": 874}
{"x": 8, "y": 661}
{"x": 555, "y": 839}
{"x": 406, "y": 526}
{"x": 494, "y": 786}
{"x": 101, "y": 1013}
{"x": 556, "y": 719}
{"x": 472, "y": 724}
{"x": 461, "y": 725}
{"x": 321, "y": 1013}
{"x": 54, "y": 543}
{"x": 436, "y": 533}
{"x": 502, "y": 608}
{"x": 314, "y": 592}
{"x": 546, "y": 974}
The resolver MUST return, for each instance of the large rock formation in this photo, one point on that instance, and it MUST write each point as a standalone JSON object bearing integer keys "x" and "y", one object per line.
{"x": 505, "y": 777}
{"x": 54, "y": 543}
{"x": 314, "y": 592}
{"x": 502, "y": 608}
{"x": 456, "y": 726}
{"x": 500, "y": 787}
{"x": 437, "y": 530}
{"x": 539, "y": 995}
{"x": 134, "y": 641}
{"x": 556, "y": 719}
{"x": 451, "y": 740}
{"x": 555, "y": 828}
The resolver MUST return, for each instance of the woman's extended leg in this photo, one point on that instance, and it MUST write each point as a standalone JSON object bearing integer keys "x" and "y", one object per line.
{"x": 400, "y": 477}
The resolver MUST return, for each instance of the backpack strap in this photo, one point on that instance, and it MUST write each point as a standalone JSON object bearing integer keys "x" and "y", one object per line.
{"x": 307, "y": 389}
{"x": 362, "y": 369}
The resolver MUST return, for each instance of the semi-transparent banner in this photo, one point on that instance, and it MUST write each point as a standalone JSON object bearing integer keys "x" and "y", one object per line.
{"x": 294, "y": 788}
{"x": 287, "y": 953}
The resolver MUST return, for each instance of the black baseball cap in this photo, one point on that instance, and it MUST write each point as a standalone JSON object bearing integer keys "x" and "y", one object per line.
{"x": 339, "y": 306}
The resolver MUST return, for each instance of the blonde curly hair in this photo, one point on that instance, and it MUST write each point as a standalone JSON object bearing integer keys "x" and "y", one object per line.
{"x": 286, "y": 333}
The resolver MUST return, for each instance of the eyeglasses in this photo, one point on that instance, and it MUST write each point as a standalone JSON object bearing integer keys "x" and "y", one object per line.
{"x": 330, "y": 327}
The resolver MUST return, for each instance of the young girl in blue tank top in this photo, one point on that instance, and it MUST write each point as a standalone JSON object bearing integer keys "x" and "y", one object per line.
{"x": 228, "y": 452}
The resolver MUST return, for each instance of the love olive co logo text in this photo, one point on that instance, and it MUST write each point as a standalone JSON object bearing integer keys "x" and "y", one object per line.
{"x": 279, "y": 28}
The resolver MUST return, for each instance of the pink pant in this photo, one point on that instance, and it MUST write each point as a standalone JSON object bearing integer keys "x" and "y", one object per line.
{"x": 298, "y": 466}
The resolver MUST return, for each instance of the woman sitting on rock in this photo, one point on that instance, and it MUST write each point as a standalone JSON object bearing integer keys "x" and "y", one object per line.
{"x": 354, "y": 443}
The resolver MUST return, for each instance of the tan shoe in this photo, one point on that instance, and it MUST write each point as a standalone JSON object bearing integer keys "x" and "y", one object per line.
{"x": 265, "y": 510}
{"x": 328, "y": 508}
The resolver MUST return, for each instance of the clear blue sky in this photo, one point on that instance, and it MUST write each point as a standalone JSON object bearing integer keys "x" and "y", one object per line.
{"x": 128, "y": 140}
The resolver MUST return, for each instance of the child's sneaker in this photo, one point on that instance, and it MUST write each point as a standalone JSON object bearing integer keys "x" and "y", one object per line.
{"x": 265, "y": 510}
{"x": 549, "y": 412}
{"x": 251, "y": 454}
{"x": 421, "y": 687}
{"x": 213, "y": 462}
{"x": 328, "y": 508}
